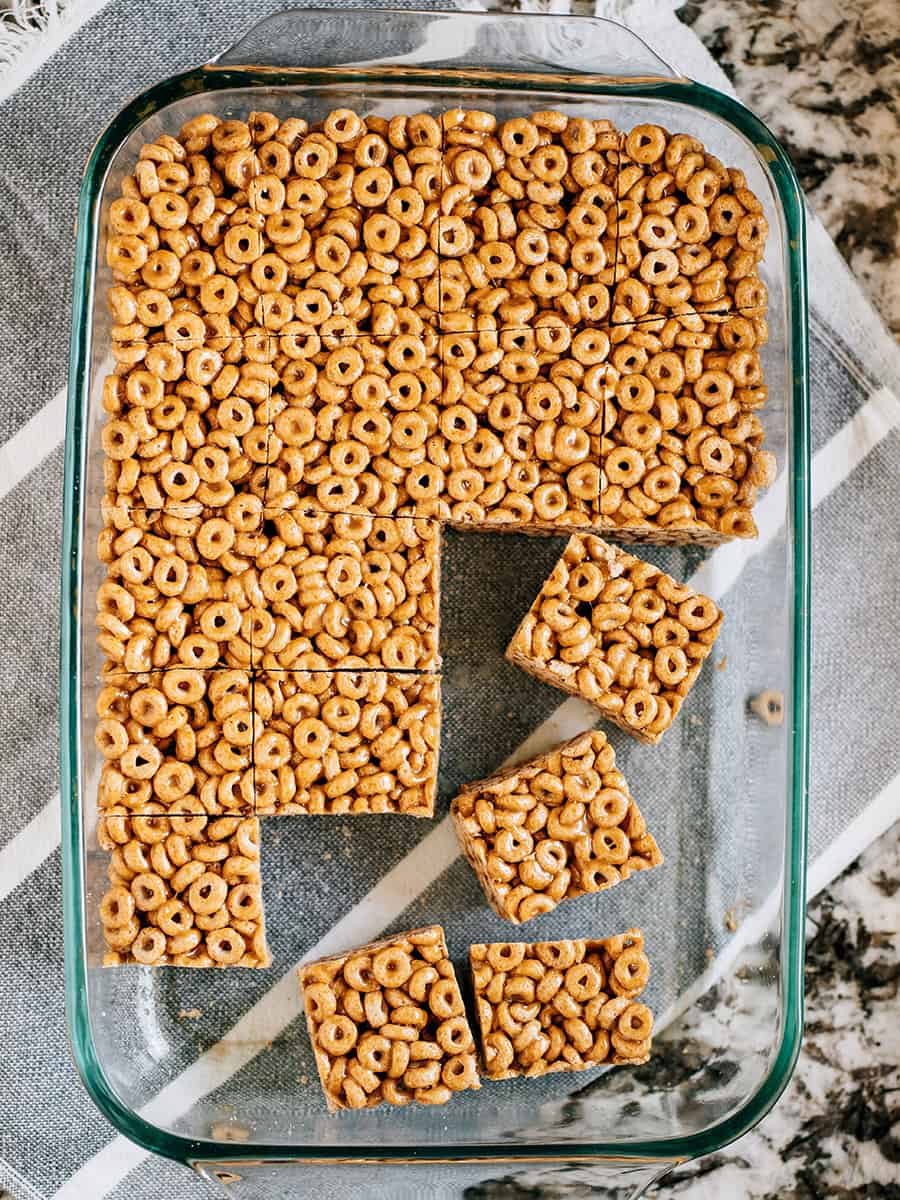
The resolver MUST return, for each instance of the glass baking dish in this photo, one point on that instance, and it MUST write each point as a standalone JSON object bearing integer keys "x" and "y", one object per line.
{"x": 212, "y": 1068}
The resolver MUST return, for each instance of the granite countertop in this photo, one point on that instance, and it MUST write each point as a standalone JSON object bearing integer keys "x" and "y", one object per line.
{"x": 825, "y": 75}
{"x": 835, "y": 1133}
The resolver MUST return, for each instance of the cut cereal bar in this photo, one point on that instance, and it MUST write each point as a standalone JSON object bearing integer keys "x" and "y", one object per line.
{"x": 185, "y": 891}
{"x": 349, "y": 429}
{"x": 553, "y": 829}
{"x": 691, "y": 233}
{"x": 387, "y": 1023}
{"x": 682, "y": 449}
{"x": 561, "y": 1006}
{"x": 176, "y": 742}
{"x": 188, "y": 416}
{"x": 346, "y": 742}
{"x": 532, "y": 232}
{"x": 329, "y": 338}
{"x": 350, "y": 591}
{"x": 175, "y": 592}
{"x": 619, "y": 633}
{"x": 524, "y": 441}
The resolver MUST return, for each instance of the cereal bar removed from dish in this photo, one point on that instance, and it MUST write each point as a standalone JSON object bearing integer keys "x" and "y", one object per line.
{"x": 561, "y": 1006}
{"x": 185, "y": 891}
{"x": 618, "y": 632}
{"x": 388, "y": 1024}
{"x": 553, "y": 829}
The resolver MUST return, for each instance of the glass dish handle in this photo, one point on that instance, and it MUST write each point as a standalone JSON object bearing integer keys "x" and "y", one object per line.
{"x": 305, "y": 1180}
{"x": 556, "y": 44}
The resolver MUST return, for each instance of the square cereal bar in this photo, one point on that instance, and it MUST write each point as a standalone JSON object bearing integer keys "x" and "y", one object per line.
{"x": 522, "y": 441}
{"x": 346, "y": 277}
{"x": 682, "y": 449}
{"x": 553, "y": 829}
{"x": 619, "y": 633}
{"x": 187, "y": 423}
{"x": 691, "y": 233}
{"x": 185, "y": 891}
{"x": 354, "y": 423}
{"x": 176, "y": 742}
{"x": 561, "y": 1006}
{"x": 548, "y": 247}
{"x": 350, "y": 591}
{"x": 388, "y": 1024}
{"x": 346, "y": 742}
{"x": 176, "y": 589}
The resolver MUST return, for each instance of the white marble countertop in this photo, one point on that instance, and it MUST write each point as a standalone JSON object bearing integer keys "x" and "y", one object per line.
{"x": 835, "y": 1133}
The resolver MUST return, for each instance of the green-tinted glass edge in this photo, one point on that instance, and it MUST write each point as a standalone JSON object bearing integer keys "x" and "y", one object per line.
{"x": 187, "y": 1150}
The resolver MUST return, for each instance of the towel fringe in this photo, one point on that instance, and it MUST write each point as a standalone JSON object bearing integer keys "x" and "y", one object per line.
{"x": 33, "y": 30}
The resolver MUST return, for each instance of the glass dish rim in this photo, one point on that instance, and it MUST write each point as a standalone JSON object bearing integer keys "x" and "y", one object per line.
{"x": 212, "y": 78}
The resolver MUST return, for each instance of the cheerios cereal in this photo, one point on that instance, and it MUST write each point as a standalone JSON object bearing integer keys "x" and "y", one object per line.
{"x": 351, "y": 589}
{"x": 356, "y": 427}
{"x": 187, "y": 422}
{"x": 553, "y": 829}
{"x": 327, "y": 339}
{"x": 561, "y": 1006}
{"x": 346, "y": 741}
{"x": 185, "y": 891}
{"x": 176, "y": 742}
{"x": 691, "y": 233}
{"x": 619, "y": 633}
{"x": 682, "y": 448}
{"x": 388, "y": 1024}
{"x": 528, "y": 216}
{"x": 181, "y": 591}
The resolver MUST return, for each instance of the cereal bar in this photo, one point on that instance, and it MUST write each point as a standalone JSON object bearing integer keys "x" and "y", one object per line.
{"x": 346, "y": 742}
{"x": 182, "y": 591}
{"x": 355, "y": 425}
{"x": 349, "y": 591}
{"x": 618, "y": 632}
{"x": 553, "y": 829}
{"x": 682, "y": 449}
{"x": 187, "y": 419}
{"x": 691, "y": 233}
{"x": 532, "y": 227}
{"x": 523, "y": 437}
{"x": 387, "y": 1023}
{"x": 561, "y": 1006}
{"x": 185, "y": 891}
{"x": 176, "y": 742}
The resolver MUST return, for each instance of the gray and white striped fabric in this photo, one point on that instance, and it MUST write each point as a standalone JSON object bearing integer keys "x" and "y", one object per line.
{"x": 53, "y": 1142}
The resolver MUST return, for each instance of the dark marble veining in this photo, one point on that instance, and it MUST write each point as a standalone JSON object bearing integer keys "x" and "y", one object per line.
{"x": 825, "y": 75}
{"x": 835, "y": 1133}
